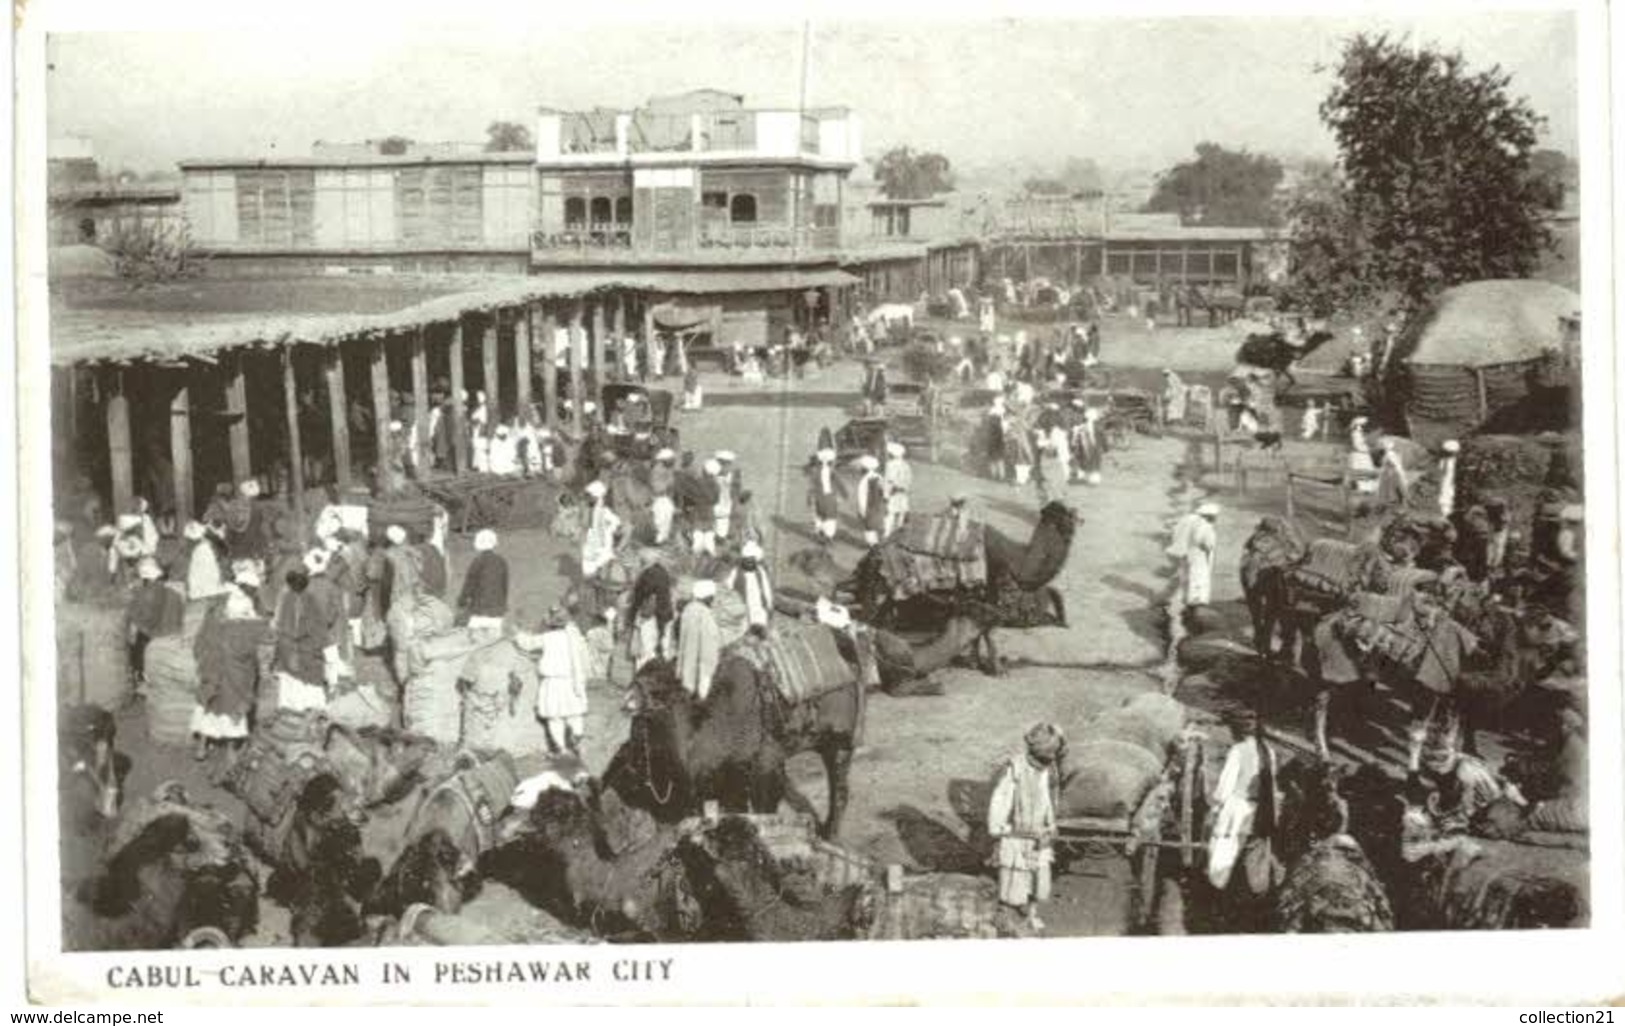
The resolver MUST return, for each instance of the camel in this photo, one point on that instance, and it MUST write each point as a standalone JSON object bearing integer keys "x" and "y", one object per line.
{"x": 659, "y": 883}
{"x": 176, "y": 876}
{"x": 1275, "y": 352}
{"x": 733, "y": 746}
{"x": 1015, "y": 574}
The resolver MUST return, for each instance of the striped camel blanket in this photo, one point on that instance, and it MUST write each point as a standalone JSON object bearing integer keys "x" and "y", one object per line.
{"x": 934, "y": 553}
{"x": 802, "y": 660}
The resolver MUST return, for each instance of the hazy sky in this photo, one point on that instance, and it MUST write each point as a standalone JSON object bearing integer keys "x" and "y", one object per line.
{"x": 1126, "y": 93}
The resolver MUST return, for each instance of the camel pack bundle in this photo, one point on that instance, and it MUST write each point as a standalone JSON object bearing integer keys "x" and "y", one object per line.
{"x": 935, "y": 553}
{"x": 805, "y": 663}
{"x": 1331, "y": 568}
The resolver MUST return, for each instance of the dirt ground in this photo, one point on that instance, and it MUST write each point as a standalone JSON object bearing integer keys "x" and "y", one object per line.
{"x": 918, "y": 753}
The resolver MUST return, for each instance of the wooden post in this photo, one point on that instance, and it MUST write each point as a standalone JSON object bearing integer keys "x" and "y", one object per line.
{"x": 649, "y": 332}
{"x": 1348, "y": 513}
{"x": 1483, "y": 395}
{"x": 459, "y": 406}
{"x": 716, "y": 325}
{"x": 237, "y": 402}
{"x": 600, "y": 336}
{"x": 337, "y": 415}
{"x": 521, "y": 361}
{"x": 420, "y": 398}
{"x": 1291, "y": 506}
{"x": 380, "y": 413}
{"x": 619, "y": 321}
{"x": 180, "y": 452}
{"x": 491, "y": 383}
{"x": 296, "y": 452}
{"x": 550, "y": 370}
{"x": 119, "y": 453}
{"x": 578, "y": 332}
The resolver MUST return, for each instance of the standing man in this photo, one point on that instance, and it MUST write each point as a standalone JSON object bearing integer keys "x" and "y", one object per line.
{"x": 899, "y": 479}
{"x": 1193, "y": 545}
{"x": 1021, "y": 816}
{"x": 662, "y": 479}
{"x": 1393, "y": 485}
{"x": 712, "y": 512}
{"x": 871, "y": 500}
{"x": 749, "y": 579}
{"x": 598, "y": 541}
{"x": 699, "y": 642}
{"x": 727, "y": 491}
{"x": 483, "y": 602}
{"x": 561, "y": 699}
{"x": 1447, "y": 478}
{"x": 824, "y": 491}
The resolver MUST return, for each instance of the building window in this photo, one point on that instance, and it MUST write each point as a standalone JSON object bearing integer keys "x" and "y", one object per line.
{"x": 714, "y": 200}
{"x": 742, "y": 209}
{"x": 603, "y": 210}
{"x": 575, "y": 212}
{"x": 623, "y": 210}
{"x": 87, "y": 231}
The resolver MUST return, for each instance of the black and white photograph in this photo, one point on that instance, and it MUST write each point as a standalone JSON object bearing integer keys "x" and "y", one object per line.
{"x": 817, "y": 478}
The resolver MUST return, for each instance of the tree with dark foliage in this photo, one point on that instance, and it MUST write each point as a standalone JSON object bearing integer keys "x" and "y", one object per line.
{"x": 507, "y": 137}
{"x": 394, "y": 146}
{"x": 1436, "y": 179}
{"x": 904, "y": 174}
{"x": 1220, "y": 187}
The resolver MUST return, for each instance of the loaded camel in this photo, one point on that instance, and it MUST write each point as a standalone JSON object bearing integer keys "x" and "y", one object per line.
{"x": 1017, "y": 591}
{"x": 1278, "y": 353}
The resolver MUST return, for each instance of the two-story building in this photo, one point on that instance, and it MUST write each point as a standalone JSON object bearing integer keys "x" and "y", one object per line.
{"x": 725, "y": 219}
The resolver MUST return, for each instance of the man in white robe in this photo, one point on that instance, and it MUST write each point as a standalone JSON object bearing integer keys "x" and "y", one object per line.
{"x": 699, "y": 641}
{"x": 899, "y": 480}
{"x": 750, "y": 580}
{"x": 1193, "y": 545}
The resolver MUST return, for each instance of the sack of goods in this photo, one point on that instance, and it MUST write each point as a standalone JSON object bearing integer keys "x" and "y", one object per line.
{"x": 1107, "y": 779}
{"x": 430, "y": 703}
{"x": 493, "y": 717}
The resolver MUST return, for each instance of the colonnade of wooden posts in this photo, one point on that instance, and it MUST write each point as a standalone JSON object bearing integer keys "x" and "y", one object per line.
{"x": 590, "y": 321}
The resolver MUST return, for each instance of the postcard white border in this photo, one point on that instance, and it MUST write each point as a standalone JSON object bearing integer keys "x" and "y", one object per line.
{"x": 1465, "y": 968}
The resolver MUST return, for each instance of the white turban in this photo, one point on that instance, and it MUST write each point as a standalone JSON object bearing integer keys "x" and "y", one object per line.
{"x": 705, "y": 589}
{"x": 193, "y": 531}
{"x": 597, "y": 489}
{"x": 148, "y": 569}
{"x": 868, "y": 462}
{"x": 1208, "y": 509}
{"x": 332, "y": 543}
{"x": 665, "y": 454}
{"x": 485, "y": 540}
{"x": 129, "y": 521}
{"x": 1452, "y": 446}
{"x": 751, "y": 550}
{"x": 396, "y": 534}
{"x": 713, "y": 468}
{"x": 826, "y": 455}
{"x": 725, "y": 455}
{"x": 895, "y": 448}
{"x": 249, "y": 489}
{"x": 316, "y": 561}
{"x": 246, "y": 574}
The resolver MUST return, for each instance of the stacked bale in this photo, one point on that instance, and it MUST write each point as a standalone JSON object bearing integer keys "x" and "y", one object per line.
{"x": 172, "y": 680}
{"x": 430, "y": 703}
{"x": 92, "y": 656}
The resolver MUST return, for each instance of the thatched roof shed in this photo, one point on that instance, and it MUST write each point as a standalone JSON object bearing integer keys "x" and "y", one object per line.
{"x": 1484, "y": 348}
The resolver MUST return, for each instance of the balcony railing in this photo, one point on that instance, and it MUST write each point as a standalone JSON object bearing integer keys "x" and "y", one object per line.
{"x": 610, "y": 239}
{"x": 768, "y": 237}
{"x": 587, "y": 237}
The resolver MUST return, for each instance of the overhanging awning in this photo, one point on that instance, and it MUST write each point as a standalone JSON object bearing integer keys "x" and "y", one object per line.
{"x": 195, "y": 319}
